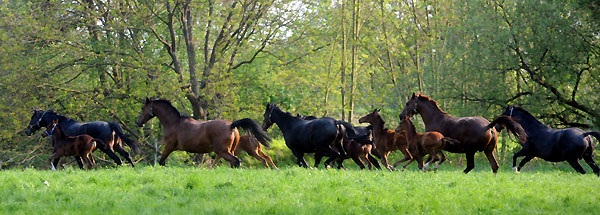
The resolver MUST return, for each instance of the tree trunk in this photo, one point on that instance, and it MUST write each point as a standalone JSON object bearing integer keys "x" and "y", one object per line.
{"x": 343, "y": 63}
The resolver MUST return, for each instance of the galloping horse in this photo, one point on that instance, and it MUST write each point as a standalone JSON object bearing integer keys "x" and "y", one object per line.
{"x": 80, "y": 146}
{"x": 421, "y": 144}
{"x": 385, "y": 140}
{"x": 101, "y": 130}
{"x": 187, "y": 134}
{"x": 306, "y": 136}
{"x": 250, "y": 145}
{"x": 554, "y": 145}
{"x": 474, "y": 133}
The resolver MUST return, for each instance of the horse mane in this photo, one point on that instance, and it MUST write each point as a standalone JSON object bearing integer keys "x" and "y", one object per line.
{"x": 60, "y": 117}
{"x": 425, "y": 98}
{"x": 527, "y": 113}
{"x": 170, "y": 106}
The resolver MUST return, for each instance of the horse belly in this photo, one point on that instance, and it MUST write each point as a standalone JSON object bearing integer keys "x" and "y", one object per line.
{"x": 195, "y": 145}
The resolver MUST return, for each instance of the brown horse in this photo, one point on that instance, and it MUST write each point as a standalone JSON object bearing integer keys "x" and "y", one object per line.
{"x": 420, "y": 144}
{"x": 250, "y": 145}
{"x": 385, "y": 140}
{"x": 187, "y": 134}
{"x": 359, "y": 153}
{"x": 474, "y": 133}
{"x": 81, "y": 145}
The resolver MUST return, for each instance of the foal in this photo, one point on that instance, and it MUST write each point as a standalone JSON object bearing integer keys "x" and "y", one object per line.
{"x": 250, "y": 145}
{"x": 386, "y": 140}
{"x": 421, "y": 144}
{"x": 81, "y": 146}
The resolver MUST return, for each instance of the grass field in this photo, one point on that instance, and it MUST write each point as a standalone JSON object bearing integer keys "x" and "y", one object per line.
{"x": 292, "y": 190}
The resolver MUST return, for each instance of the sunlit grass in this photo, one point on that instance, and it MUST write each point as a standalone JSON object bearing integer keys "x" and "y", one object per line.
{"x": 292, "y": 190}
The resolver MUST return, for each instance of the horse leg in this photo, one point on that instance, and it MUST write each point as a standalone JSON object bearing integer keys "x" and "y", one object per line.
{"x": 216, "y": 161}
{"x": 108, "y": 151}
{"x": 358, "y": 162}
{"x": 575, "y": 164}
{"x": 169, "y": 147}
{"x": 300, "y": 159}
{"x": 258, "y": 157}
{"x": 124, "y": 153}
{"x": 523, "y": 162}
{"x": 470, "y": 161}
{"x": 432, "y": 159}
{"x": 385, "y": 162}
{"x": 407, "y": 156}
{"x": 408, "y": 163}
{"x": 442, "y": 159}
{"x": 520, "y": 153}
{"x": 590, "y": 161}
{"x": 374, "y": 161}
{"x": 268, "y": 158}
{"x": 420, "y": 162}
{"x": 233, "y": 160}
{"x": 318, "y": 157}
{"x": 78, "y": 159}
{"x": 492, "y": 159}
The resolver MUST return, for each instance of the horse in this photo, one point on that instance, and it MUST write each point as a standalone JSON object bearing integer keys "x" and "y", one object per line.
{"x": 421, "y": 144}
{"x": 184, "y": 133}
{"x": 250, "y": 145}
{"x": 108, "y": 132}
{"x": 306, "y": 136}
{"x": 385, "y": 140}
{"x": 554, "y": 145}
{"x": 357, "y": 143}
{"x": 474, "y": 133}
{"x": 80, "y": 146}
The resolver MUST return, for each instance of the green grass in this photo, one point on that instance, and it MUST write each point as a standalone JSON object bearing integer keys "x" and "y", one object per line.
{"x": 191, "y": 190}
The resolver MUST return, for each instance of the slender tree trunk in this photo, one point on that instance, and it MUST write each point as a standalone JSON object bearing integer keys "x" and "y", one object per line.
{"x": 355, "y": 43}
{"x": 187, "y": 27}
{"x": 343, "y": 63}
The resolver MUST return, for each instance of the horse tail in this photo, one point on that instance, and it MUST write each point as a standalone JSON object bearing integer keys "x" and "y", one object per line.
{"x": 450, "y": 142}
{"x": 119, "y": 132}
{"x": 350, "y": 131}
{"x": 254, "y": 128}
{"x": 513, "y": 126}
{"x": 592, "y": 133}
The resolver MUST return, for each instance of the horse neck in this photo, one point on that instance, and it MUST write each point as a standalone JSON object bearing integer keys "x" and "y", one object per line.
{"x": 166, "y": 114}
{"x": 58, "y": 133}
{"x": 430, "y": 112}
{"x": 378, "y": 126}
{"x": 411, "y": 131}
{"x": 530, "y": 123}
{"x": 284, "y": 123}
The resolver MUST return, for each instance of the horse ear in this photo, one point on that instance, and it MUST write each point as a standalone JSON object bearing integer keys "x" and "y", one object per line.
{"x": 147, "y": 100}
{"x": 413, "y": 95}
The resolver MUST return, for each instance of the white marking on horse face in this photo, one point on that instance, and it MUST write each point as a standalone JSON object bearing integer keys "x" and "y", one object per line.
{"x": 52, "y": 164}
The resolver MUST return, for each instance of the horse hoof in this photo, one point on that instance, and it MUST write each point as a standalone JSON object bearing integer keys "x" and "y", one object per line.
{"x": 516, "y": 169}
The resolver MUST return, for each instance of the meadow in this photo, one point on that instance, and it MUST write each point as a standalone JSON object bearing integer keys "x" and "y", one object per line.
{"x": 293, "y": 190}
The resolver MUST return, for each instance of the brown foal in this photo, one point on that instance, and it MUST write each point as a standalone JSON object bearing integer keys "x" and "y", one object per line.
{"x": 81, "y": 145}
{"x": 250, "y": 145}
{"x": 385, "y": 140}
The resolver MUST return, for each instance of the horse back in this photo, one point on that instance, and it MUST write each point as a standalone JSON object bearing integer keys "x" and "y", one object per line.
{"x": 472, "y": 132}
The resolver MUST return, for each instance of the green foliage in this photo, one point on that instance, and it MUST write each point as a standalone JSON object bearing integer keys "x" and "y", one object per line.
{"x": 473, "y": 57}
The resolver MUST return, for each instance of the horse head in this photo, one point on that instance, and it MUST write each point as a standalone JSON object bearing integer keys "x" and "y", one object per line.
{"x": 410, "y": 108}
{"x": 146, "y": 114}
{"x": 267, "y": 122}
{"x": 34, "y": 123}
{"x": 51, "y": 128}
{"x": 404, "y": 125}
{"x": 370, "y": 117}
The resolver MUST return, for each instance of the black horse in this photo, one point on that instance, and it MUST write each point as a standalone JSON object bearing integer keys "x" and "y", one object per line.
{"x": 306, "y": 136}
{"x": 98, "y": 129}
{"x": 554, "y": 145}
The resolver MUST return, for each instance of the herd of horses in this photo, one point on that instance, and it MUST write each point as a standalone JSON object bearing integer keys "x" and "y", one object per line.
{"x": 326, "y": 137}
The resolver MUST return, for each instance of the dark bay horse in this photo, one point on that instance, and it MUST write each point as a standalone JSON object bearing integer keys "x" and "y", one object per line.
{"x": 429, "y": 143}
{"x": 554, "y": 145}
{"x": 80, "y": 146}
{"x": 385, "y": 140}
{"x": 474, "y": 133}
{"x": 250, "y": 145}
{"x": 184, "y": 133}
{"x": 301, "y": 136}
{"x": 108, "y": 132}
{"x": 359, "y": 146}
